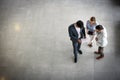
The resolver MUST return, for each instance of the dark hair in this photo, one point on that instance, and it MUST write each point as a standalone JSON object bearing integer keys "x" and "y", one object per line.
{"x": 99, "y": 27}
{"x": 80, "y": 24}
{"x": 92, "y": 18}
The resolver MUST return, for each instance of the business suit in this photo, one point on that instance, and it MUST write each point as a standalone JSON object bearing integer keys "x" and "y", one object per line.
{"x": 74, "y": 38}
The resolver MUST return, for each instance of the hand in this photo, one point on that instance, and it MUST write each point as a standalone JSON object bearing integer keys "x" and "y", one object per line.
{"x": 79, "y": 41}
{"x": 96, "y": 39}
{"x": 85, "y": 37}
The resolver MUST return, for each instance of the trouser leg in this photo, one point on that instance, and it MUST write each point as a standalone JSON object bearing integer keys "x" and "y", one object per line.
{"x": 75, "y": 49}
{"x": 91, "y": 39}
{"x": 79, "y": 45}
{"x": 100, "y": 50}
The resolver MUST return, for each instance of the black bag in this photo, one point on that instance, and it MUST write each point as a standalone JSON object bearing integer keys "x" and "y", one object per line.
{"x": 90, "y": 33}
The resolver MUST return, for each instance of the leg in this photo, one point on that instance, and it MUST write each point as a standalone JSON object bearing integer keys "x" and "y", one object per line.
{"x": 91, "y": 40}
{"x": 78, "y": 48}
{"x": 100, "y": 50}
{"x": 75, "y": 50}
{"x": 97, "y": 52}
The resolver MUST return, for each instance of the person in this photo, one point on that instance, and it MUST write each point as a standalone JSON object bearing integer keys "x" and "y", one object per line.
{"x": 101, "y": 40}
{"x": 90, "y": 26}
{"x": 83, "y": 32}
{"x": 76, "y": 33}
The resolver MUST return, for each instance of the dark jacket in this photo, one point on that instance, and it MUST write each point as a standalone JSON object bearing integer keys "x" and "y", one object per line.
{"x": 73, "y": 33}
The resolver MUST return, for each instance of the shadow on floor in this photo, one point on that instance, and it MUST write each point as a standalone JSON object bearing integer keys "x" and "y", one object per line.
{"x": 115, "y": 2}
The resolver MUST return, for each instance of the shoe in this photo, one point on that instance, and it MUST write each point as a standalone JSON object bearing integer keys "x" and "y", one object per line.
{"x": 80, "y": 52}
{"x": 99, "y": 57}
{"x": 75, "y": 60}
{"x": 96, "y": 52}
{"x": 90, "y": 45}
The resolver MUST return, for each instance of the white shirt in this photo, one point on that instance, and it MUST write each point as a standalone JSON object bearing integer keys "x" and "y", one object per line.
{"x": 78, "y": 31}
{"x": 102, "y": 38}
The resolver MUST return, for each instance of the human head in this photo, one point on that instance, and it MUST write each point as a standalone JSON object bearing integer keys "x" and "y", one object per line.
{"x": 92, "y": 20}
{"x": 79, "y": 24}
{"x": 99, "y": 28}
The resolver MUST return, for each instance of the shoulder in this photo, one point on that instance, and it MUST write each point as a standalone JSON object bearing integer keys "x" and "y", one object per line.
{"x": 97, "y": 23}
{"x": 71, "y": 26}
{"x": 104, "y": 29}
{"x": 88, "y": 21}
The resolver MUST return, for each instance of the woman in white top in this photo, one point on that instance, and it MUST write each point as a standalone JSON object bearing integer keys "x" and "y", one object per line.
{"x": 101, "y": 40}
{"x": 90, "y": 25}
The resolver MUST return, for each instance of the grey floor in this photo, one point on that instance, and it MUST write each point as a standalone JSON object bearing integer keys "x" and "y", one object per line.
{"x": 34, "y": 41}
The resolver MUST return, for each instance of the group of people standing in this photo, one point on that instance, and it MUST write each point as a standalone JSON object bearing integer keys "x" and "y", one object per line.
{"x": 77, "y": 31}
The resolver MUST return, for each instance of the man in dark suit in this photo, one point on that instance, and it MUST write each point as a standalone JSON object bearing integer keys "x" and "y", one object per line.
{"x": 76, "y": 33}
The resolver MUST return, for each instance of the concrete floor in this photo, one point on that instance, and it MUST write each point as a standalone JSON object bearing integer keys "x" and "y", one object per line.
{"x": 34, "y": 41}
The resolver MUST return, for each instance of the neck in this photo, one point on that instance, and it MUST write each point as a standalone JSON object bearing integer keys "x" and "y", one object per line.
{"x": 76, "y": 25}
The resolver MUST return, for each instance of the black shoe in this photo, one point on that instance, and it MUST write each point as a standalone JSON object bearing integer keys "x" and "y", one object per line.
{"x": 96, "y": 52}
{"x": 80, "y": 52}
{"x": 100, "y": 57}
{"x": 75, "y": 60}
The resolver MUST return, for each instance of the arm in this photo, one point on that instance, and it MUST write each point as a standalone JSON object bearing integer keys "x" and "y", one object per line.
{"x": 87, "y": 25}
{"x": 83, "y": 32}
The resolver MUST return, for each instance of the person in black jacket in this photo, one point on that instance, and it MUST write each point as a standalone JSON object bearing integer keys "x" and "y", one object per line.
{"x": 76, "y": 33}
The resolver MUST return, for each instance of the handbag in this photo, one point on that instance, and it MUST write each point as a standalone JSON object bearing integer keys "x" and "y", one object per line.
{"x": 90, "y": 33}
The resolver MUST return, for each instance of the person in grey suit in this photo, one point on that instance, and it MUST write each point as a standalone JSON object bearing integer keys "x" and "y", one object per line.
{"x": 76, "y": 33}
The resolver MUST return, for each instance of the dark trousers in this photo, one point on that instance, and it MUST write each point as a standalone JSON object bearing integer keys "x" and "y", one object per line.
{"x": 100, "y": 50}
{"x": 76, "y": 47}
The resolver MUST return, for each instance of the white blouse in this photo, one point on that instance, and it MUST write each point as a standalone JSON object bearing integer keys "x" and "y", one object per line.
{"x": 102, "y": 38}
